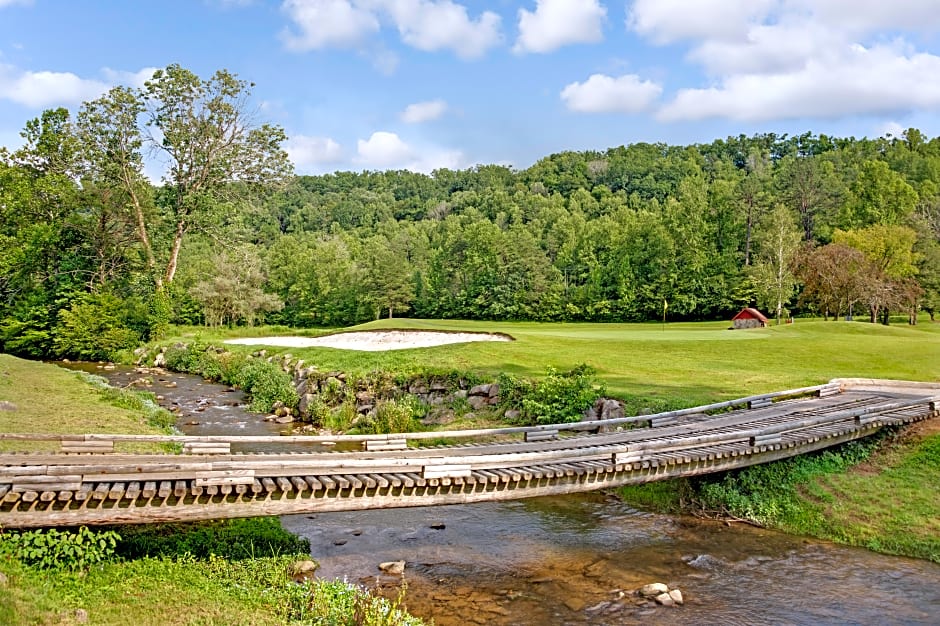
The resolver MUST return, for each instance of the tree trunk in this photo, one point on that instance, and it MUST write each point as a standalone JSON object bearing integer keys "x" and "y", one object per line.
{"x": 175, "y": 252}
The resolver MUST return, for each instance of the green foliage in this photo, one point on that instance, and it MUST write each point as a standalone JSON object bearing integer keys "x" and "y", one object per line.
{"x": 231, "y": 539}
{"x": 393, "y": 416}
{"x": 266, "y": 383}
{"x": 338, "y": 603}
{"x": 558, "y": 398}
{"x": 161, "y": 312}
{"x": 769, "y": 493}
{"x": 54, "y": 549}
{"x": 95, "y": 328}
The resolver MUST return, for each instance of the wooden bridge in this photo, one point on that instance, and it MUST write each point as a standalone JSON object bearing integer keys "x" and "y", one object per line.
{"x": 90, "y": 481}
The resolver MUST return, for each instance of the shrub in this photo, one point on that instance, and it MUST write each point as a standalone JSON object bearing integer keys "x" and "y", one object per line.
{"x": 339, "y": 603}
{"x": 231, "y": 539}
{"x": 53, "y": 549}
{"x": 557, "y": 398}
{"x": 266, "y": 383}
{"x": 94, "y": 328}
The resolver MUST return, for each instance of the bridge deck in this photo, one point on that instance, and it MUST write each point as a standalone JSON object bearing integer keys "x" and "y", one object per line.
{"x": 98, "y": 487}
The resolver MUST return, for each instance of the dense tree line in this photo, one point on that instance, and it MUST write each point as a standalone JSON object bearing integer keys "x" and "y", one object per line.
{"x": 94, "y": 257}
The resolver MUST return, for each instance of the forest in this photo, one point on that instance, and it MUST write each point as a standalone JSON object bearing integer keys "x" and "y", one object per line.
{"x": 96, "y": 257}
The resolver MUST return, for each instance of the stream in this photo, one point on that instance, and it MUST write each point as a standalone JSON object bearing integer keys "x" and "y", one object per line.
{"x": 576, "y": 559}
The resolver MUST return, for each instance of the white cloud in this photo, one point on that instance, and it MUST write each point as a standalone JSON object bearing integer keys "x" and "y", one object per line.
{"x": 387, "y": 151}
{"x": 129, "y": 79}
{"x": 383, "y": 150}
{"x": 861, "y": 81}
{"x": 423, "y": 111}
{"x": 9, "y": 3}
{"x": 432, "y": 25}
{"x": 892, "y": 129}
{"x": 43, "y": 89}
{"x": 557, "y": 23}
{"x": 428, "y": 25}
{"x": 328, "y": 23}
{"x": 666, "y": 21}
{"x": 308, "y": 152}
{"x": 865, "y": 16}
{"x": 605, "y": 94}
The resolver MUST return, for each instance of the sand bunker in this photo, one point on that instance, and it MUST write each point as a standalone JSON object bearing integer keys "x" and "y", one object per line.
{"x": 372, "y": 341}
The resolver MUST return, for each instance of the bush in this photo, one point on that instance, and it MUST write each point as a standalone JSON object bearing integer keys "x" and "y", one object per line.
{"x": 393, "y": 416}
{"x": 231, "y": 539}
{"x": 94, "y": 328}
{"x": 558, "y": 398}
{"x": 339, "y": 603}
{"x": 53, "y": 549}
{"x": 266, "y": 383}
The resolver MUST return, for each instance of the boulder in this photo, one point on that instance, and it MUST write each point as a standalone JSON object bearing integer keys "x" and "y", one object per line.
{"x": 159, "y": 360}
{"x": 394, "y": 568}
{"x": 653, "y": 589}
{"x": 665, "y": 599}
{"x": 284, "y": 419}
{"x": 302, "y": 571}
{"x": 303, "y": 406}
{"x": 478, "y": 402}
{"x": 611, "y": 410}
{"x": 480, "y": 390}
{"x": 512, "y": 415}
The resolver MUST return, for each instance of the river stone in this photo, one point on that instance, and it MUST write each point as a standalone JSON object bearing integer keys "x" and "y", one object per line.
{"x": 676, "y": 596}
{"x": 665, "y": 599}
{"x": 301, "y": 571}
{"x": 284, "y": 419}
{"x": 653, "y": 589}
{"x": 395, "y": 568}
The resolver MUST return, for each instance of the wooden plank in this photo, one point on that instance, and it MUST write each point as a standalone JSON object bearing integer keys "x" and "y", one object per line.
{"x": 374, "y": 445}
{"x": 541, "y": 435}
{"x": 285, "y": 485}
{"x": 132, "y": 491}
{"x": 150, "y": 489}
{"x": 444, "y": 471}
{"x": 83, "y": 492}
{"x": 269, "y": 485}
{"x": 229, "y": 477}
{"x": 101, "y": 491}
{"x": 207, "y": 447}
{"x": 87, "y": 447}
{"x": 116, "y": 492}
{"x": 180, "y": 488}
{"x": 165, "y": 489}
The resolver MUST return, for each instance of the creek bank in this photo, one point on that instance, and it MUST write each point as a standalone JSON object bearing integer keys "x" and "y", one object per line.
{"x": 343, "y": 401}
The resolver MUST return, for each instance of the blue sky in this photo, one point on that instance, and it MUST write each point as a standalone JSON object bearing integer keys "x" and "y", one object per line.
{"x": 421, "y": 84}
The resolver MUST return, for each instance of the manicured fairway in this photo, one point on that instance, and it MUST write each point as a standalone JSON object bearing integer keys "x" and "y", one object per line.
{"x": 677, "y": 363}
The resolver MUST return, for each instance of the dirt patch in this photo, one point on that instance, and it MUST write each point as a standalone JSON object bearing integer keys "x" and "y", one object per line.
{"x": 372, "y": 341}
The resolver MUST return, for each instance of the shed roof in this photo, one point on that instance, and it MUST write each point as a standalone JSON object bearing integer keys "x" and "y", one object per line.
{"x": 749, "y": 313}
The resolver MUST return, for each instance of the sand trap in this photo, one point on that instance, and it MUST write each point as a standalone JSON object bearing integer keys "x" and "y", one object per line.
{"x": 372, "y": 341}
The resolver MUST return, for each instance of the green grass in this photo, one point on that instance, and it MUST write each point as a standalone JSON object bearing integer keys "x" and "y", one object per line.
{"x": 680, "y": 364}
{"x": 43, "y": 398}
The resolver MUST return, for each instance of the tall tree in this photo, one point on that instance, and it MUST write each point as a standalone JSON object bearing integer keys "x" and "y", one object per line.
{"x": 773, "y": 271}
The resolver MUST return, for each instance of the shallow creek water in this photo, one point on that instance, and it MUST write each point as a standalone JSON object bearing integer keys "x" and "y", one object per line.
{"x": 576, "y": 559}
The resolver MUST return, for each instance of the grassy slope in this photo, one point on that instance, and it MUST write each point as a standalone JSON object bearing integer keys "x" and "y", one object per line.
{"x": 50, "y": 399}
{"x": 685, "y": 364}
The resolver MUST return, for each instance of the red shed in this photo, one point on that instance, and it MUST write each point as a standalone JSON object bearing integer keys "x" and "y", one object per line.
{"x": 749, "y": 318}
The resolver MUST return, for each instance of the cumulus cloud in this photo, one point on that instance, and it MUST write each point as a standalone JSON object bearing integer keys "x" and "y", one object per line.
{"x": 557, "y": 23}
{"x": 309, "y": 153}
{"x": 130, "y": 79}
{"x": 861, "y": 81}
{"x": 606, "y": 94}
{"x": 780, "y": 59}
{"x": 666, "y": 21}
{"x": 43, "y": 89}
{"x": 428, "y": 25}
{"x": 327, "y": 23}
{"x": 423, "y": 111}
{"x": 432, "y": 25}
{"x": 387, "y": 151}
